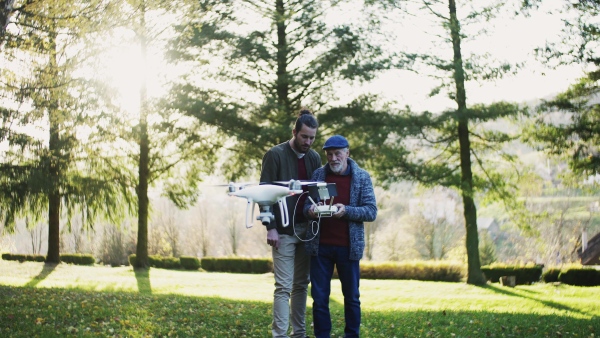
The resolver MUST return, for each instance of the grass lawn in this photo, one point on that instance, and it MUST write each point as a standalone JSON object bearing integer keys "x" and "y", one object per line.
{"x": 66, "y": 300}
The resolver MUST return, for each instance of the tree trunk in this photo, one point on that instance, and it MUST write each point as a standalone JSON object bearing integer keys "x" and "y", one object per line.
{"x": 474, "y": 275}
{"x": 6, "y": 9}
{"x": 143, "y": 169}
{"x": 54, "y": 166}
{"x": 283, "y": 86}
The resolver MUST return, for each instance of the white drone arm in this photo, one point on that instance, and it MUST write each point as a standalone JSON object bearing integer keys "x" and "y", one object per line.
{"x": 285, "y": 216}
{"x": 249, "y": 221}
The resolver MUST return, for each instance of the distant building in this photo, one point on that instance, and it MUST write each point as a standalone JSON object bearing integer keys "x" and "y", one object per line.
{"x": 489, "y": 225}
{"x": 591, "y": 255}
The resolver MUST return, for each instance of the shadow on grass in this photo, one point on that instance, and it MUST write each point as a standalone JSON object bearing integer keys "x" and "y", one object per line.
{"x": 130, "y": 313}
{"x": 554, "y": 305}
{"x": 46, "y": 271}
{"x": 445, "y": 323}
{"x": 142, "y": 277}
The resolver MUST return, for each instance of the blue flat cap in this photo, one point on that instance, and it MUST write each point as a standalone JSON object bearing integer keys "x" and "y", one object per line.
{"x": 336, "y": 142}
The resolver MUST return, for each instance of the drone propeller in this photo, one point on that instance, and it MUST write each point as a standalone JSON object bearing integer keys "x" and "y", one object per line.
{"x": 237, "y": 185}
{"x": 295, "y": 181}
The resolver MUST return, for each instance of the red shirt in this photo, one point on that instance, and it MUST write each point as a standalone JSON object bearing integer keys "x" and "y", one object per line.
{"x": 334, "y": 231}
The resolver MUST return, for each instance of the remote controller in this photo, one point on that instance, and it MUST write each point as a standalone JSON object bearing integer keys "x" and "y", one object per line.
{"x": 325, "y": 210}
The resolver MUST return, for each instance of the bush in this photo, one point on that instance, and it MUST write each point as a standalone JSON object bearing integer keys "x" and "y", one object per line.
{"x": 523, "y": 274}
{"x": 117, "y": 242}
{"x": 551, "y": 275}
{"x": 131, "y": 259}
{"x": 159, "y": 262}
{"x": 419, "y": 270}
{"x": 580, "y": 277}
{"x": 78, "y": 259}
{"x": 23, "y": 258}
{"x": 237, "y": 265}
{"x": 189, "y": 263}
{"x": 164, "y": 262}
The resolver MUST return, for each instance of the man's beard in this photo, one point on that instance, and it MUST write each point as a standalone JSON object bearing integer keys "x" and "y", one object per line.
{"x": 300, "y": 148}
{"x": 336, "y": 168}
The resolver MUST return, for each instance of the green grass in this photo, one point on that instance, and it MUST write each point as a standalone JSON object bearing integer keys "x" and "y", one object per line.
{"x": 83, "y": 301}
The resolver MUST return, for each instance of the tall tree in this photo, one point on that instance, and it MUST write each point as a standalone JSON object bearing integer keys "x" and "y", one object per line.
{"x": 6, "y": 10}
{"x": 569, "y": 124}
{"x": 43, "y": 89}
{"x": 450, "y": 148}
{"x": 266, "y": 61}
{"x": 173, "y": 151}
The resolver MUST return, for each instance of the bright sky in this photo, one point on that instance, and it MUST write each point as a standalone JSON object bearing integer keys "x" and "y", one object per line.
{"x": 512, "y": 41}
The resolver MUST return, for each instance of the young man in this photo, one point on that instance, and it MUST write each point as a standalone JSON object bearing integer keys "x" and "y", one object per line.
{"x": 341, "y": 239}
{"x": 291, "y": 265}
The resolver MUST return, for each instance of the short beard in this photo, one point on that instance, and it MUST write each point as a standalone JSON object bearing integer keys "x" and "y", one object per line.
{"x": 338, "y": 168}
{"x": 299, "y": 147}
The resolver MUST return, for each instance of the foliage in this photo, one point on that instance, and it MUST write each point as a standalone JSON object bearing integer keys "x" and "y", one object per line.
{"x": 23, "y": 258}
{"x": 128, "y": 303}
{"x": 159, "y": 262}
{"x": 568, "y": 126}
{"x": 80, "y": 259}
{"x": 487, "y": 249}
{"x": 524, "y": 274}
{"x": 189, "y": 263}
{"x": 44, "y": 89}
{"x": 551, "y": 275}
{"x": 451, "y": 148}
{"x": 438, "y": 271}
{"x": 115, "y": 245}
{"x": 580, "y": 277}
{"x": 277, "y": 57}
{"x": 237, "y": 264}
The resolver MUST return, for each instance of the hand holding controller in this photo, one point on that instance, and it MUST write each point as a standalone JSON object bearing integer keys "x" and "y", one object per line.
{"x": 323, "y": 210}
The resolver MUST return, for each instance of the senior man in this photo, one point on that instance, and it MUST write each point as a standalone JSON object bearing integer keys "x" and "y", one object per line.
{"x": 340, "y": 241}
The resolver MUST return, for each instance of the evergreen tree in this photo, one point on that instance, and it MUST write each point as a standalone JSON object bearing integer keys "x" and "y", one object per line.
{"x": 569, "y": 124}
{"x": 6, "y": 9}
{"x": 450, "y": 148}
{"x": 172, "y": 151}
{"x": 48, "y": 116}
{"x": 279, "y": 56}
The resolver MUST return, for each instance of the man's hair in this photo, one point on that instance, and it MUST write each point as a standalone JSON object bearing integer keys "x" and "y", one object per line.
{"x": 306, "y": 118}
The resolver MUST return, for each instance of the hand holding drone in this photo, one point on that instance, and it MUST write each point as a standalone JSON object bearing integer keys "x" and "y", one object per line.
{"x": 266, "y": 195}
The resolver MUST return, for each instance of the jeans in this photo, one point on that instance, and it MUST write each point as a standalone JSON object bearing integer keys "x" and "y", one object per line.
{"x": 291, "y": 267}
{"x": 321, "y": 271}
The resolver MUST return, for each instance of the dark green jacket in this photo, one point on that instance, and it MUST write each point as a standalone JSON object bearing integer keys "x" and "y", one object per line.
{"x": 280, "y": 163}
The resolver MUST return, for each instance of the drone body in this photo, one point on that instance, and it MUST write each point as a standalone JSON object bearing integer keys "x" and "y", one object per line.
{"x": 265, "y": 195}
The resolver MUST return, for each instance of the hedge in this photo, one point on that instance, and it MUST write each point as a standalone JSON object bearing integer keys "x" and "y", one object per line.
{"x": 237, "y": 264}
{"x": 189, "y": 262}
{"x": 23, "y": 258}
{"x": 161, "y": 262}
{"x": 524, "y": 274}
{"x": 580, "y": 277}
{"x": 416, "y": 270}
{"x": 551, "y": 275}
{"x": 78, "y": 259}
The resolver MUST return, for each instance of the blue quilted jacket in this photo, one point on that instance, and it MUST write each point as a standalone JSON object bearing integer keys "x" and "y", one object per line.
{"x": 362, "y": 208}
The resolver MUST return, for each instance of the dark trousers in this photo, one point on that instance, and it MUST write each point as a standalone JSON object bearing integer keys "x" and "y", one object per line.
{"x": 321, "y": 271}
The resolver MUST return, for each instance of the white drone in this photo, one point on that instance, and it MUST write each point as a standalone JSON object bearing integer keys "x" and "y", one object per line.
{"x": 265, "y": 195}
